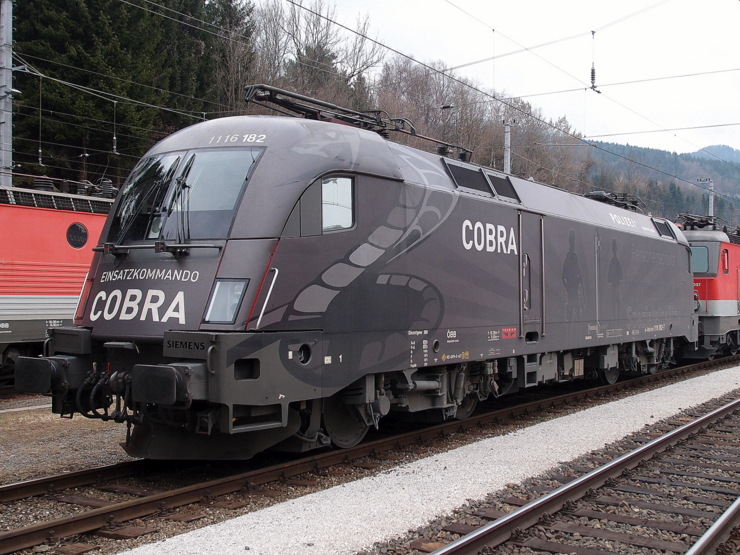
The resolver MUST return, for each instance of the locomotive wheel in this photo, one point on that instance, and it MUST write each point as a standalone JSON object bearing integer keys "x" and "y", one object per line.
{"x": 609, "y": 376}
{"x": 466, "y": 408}
{"x": 731, "y": 347}
{"x": 343, "y": 424}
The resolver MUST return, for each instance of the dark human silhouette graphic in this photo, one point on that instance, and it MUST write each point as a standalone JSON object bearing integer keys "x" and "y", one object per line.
{"x": 614, "y": 278}
{"x": 573, "y": 280}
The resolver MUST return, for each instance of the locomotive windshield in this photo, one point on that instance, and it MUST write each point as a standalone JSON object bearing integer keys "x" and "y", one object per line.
{"x": 182, "y": 195}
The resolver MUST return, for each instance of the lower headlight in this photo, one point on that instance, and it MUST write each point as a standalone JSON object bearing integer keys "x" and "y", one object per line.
{"x": 226, "y": 298}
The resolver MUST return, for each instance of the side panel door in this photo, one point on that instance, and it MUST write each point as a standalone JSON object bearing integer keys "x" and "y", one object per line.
{"x": 531, "y": 281}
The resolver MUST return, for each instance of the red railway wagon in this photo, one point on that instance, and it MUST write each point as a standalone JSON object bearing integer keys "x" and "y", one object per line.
{"x": 715, "y": 255}
{"x": 45, "y": 253}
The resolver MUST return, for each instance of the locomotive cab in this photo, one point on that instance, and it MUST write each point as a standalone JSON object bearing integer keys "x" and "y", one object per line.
{"x": 181, "y": 321}
{"x": 716, "y": 268}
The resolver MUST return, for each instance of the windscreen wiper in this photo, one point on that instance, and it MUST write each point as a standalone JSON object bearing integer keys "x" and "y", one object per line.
{"x": 176, "y": 249}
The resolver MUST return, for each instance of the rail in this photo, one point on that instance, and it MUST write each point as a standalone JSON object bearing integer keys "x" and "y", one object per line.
{"x": 95, "y": 519}
{"x": 500, "y": 530}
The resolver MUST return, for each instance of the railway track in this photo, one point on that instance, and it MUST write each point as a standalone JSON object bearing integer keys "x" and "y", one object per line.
{"x": 109, "y": 517}
{"x": 684, "y": 479}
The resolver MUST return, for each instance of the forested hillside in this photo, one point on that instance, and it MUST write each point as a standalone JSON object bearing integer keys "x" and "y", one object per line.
{"x": 722, "y": 152}
{"x": 102, "y": 80}
{"x": 667, "y": 182}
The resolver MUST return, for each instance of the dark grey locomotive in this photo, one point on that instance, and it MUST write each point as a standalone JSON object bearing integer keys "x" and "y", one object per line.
{"x": 276, "y": 282}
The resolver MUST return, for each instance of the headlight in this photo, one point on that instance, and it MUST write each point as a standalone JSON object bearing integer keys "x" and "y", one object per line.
{"x": 226, "y": 298}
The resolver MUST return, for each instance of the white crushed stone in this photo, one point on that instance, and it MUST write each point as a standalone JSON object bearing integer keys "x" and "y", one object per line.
{"x": 351, "y": 517}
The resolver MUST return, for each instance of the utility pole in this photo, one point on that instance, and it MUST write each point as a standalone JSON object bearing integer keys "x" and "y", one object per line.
{"x": 507, "y": 147}
{"x": 6, "y": 93}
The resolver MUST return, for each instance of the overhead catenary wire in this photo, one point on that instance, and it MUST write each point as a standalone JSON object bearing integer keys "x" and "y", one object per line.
{"x": 634, "y": 82}
{"x": 644, "y": 132}
{"x": 56, "y": 116}
{"x": 199, "y": 114}
{"x": 180, "y": 15}
{"x": 109, "y": 96}
{"x": 113, "y": 78}
{"x": 531, "y": 49}
{"x": 134, "y": 157}
{"x": 103, "y": 95}
{"x": 523, "y": 49}
{"x": 497, "y": 98}
{"x": 493, "y": 98}
{"x": 593, "y": 69}
{"x": 593, "y": 86}
{"x": 115, "y": 139}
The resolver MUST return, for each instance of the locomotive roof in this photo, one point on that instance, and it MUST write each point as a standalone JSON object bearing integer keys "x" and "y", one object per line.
{"x": 707, "y": 235}
{"x": 305, "y": 146}
{"x": 298, "y": 151}
{"x": 708, "y": 229}
{"x": 549, "y": 200}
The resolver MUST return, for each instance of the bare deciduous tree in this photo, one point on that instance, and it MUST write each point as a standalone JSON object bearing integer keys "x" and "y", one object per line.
{"x": 273, "y": 43}
{"x": 236, "y": 51}
{"x": 303, "y": 49}
{"x": 315, "y": 56}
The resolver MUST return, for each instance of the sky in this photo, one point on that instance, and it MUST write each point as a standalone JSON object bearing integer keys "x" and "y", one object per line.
{"x": 667, "y": 71}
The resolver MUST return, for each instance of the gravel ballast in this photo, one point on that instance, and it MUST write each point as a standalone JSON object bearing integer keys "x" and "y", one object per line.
{"x": 352, "y": 517}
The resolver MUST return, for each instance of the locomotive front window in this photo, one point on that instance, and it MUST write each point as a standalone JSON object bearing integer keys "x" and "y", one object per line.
{"x": 205, "y": 194}
{"x": 185, "y": 195}
{"x": 141, "y": 198}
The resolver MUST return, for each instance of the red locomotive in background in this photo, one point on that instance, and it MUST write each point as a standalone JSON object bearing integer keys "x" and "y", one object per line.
{"x": 46, "y": 249}
{"x": 715, "y": 260}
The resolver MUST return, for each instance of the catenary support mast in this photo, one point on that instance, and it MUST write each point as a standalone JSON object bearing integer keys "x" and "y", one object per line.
{"x": 6, "y": 92}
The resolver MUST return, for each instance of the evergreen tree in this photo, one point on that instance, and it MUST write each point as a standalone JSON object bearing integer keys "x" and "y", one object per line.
{"x": 70, "y": 103}
{"x": 99, "y": 68}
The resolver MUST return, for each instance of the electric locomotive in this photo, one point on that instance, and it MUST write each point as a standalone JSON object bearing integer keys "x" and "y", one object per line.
{"x": 45, "y": 255}
{"x": 716, "y": 263}
{"x": 286, "y": 283}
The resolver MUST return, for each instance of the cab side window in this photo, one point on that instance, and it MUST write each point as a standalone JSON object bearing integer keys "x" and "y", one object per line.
{"x": 327, "y": 206}
{"x": 336, "y": 204}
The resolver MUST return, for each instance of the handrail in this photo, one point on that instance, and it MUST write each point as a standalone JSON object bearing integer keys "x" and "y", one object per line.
{"x": 269, "y": 292}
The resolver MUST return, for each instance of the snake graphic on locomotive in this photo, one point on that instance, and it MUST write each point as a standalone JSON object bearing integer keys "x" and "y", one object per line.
{"x": 287, "y": 283}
